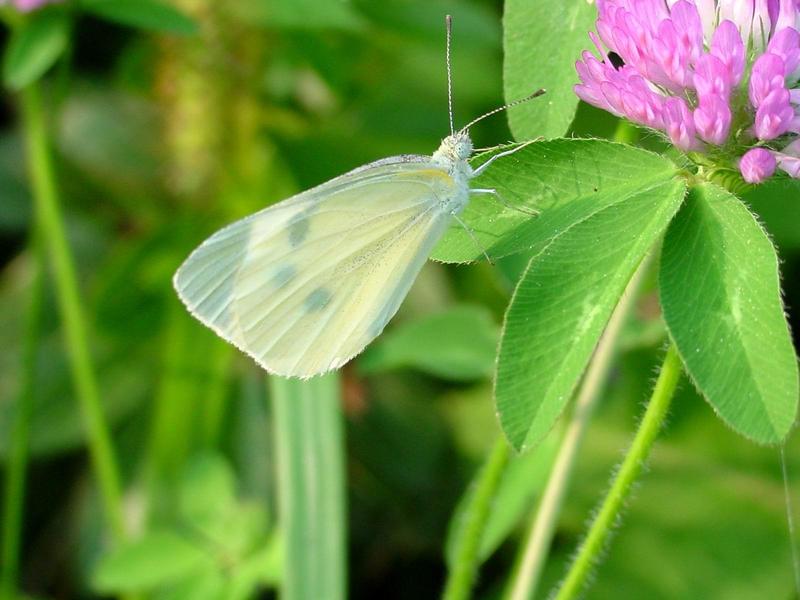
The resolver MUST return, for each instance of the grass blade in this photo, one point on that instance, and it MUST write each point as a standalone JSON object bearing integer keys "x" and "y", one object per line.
{"x": 310, "y": 454}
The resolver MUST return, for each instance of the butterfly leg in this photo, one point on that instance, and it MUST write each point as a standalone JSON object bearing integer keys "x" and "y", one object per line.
{"x": 474, "y": 239}
{"x": 485, "y": 165}
{"x": 503, "y": 201}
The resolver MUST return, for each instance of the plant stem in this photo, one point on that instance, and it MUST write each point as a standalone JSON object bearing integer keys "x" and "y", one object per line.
{"x": 631, "y": 468}
{"x": 465, "y": 568}
{"x": 790, "y": 521}
{"x": 540, "y": 538}
{"x": 172, "y": 431}
{"x": 18, "y": 453}
{"x": 52, "y": 229}
{"x": 312, "y": 484}
{"x": 214, "y": 405}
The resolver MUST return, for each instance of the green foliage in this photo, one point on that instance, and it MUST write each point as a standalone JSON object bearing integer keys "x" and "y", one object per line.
{"x": 157, "y": 559}
{"x": 458, "y": 344}
{"x": 423, "y": 19}
{"x": 215, "y": 548}
{"x": 696, "y": 513}
{"x": 258, "y": 99}
{"x": 562, "y": 304}
{"x": 303, "y": 14}
{"x": 522, "y": 481}
{"x": 567, "y": 180}
{"x": 150, "y": 15}
{"x": 720, "y": 290}
{"x": 35, "y": 46}
{"x": 541, "y": 42}
{"x": 775, "y": 204}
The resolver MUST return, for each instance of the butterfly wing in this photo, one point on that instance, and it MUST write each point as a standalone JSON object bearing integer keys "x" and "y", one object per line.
{"x": 304, "y": 285}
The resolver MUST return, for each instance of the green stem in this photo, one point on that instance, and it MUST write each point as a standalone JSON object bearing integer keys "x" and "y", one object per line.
{"x": 51, "y": 225}
{"x": 221, "y": 356}
{"x": 174, "y": 405}
{"x": 312, "y": 503}
{"x": 540, "y": 538}
{"x": 631, "y": 468}
{"x": 465, "y": 567}
{"x": 18, "y": 453}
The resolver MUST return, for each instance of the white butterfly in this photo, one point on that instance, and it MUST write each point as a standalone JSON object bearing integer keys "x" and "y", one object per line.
{"x": 304, "y": 285}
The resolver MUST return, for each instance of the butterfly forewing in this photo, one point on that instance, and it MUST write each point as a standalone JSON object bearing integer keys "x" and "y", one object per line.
{"x": 305, "y": 285}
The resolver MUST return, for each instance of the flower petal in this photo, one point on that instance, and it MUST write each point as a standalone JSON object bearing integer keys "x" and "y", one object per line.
{"x": 757, "y": 165}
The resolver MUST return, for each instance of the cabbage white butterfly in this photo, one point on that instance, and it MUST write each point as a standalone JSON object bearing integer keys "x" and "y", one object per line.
{"x": 304, "y": 285}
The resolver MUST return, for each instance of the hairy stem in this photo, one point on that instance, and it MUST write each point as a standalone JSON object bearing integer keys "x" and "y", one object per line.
{"x": 45, "y": 193}
{"x": 540, "y": 538}
{"x": 465, "y": 568}
{"x": 631, "y": 467}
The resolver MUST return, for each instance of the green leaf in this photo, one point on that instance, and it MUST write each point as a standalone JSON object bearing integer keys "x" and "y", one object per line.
{"x": 311, "y": 487}
{"x": 154, "y": 560}
{"x": 35, "y": 47}
{"x": 567, "y": 180}
{"x": 473, "y": 24}
{"x": 563, "y": 302}
{"x": 206, "y": 585}
{"x": 207, "y": 493}
{"x": 242, "y": 530}
{"x": 150, "y": 15}
{"x": 524, "y": 477}
{"x": 542, "y": 40}
{"x": 720, "y": 292}
{"x": 263, "y": 567}
{"x": 458, "y": 344}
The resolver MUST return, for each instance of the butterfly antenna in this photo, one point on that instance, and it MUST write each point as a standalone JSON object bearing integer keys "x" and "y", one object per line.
{"x": 448, "y": 20}
{"x": 535, "y": 94}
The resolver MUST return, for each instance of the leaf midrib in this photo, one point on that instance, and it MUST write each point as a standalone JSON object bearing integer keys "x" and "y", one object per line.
{"x": 550, "y": 241}
{"x": 750, "y": 369}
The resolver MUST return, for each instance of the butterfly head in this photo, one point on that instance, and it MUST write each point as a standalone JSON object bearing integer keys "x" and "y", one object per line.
{"x": 455, "y": 148}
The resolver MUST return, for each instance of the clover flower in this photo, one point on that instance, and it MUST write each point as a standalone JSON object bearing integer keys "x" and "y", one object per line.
{"x": 27, "y": 5}
{"x": 716, "y": 76}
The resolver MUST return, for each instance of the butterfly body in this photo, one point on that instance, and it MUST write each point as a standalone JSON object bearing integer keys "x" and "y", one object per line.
{"x": 304, "y": 285}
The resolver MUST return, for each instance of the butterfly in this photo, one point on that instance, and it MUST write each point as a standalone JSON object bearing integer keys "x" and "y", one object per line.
{"x": 304, "y": 285}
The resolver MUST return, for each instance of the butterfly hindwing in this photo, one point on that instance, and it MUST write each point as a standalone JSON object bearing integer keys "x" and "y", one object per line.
{"x": 305, "y": 285}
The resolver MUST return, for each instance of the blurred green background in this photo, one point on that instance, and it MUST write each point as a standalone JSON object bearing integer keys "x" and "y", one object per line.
{"x": 162, "y": 139}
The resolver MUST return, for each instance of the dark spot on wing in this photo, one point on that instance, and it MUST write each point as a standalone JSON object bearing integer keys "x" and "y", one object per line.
{"x": 298, "y": 229}
{"x": 284, "y": 275}
{"x": 318, "y": 299}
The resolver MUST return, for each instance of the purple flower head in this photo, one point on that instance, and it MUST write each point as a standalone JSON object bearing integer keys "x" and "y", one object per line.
{"x": 721, "y": 76}
{"x": 27, "y": 5}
